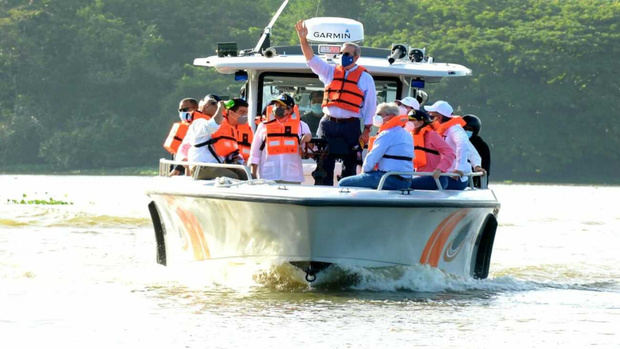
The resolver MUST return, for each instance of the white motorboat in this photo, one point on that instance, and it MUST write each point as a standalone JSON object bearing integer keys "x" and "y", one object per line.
{"x": 198, "y": 219}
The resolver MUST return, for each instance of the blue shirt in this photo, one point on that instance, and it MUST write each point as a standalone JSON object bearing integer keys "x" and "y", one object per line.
{"x": 394, "y": 141}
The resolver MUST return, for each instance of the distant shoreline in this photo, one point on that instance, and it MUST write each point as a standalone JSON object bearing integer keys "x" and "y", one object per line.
{"x": 152, "y": 171}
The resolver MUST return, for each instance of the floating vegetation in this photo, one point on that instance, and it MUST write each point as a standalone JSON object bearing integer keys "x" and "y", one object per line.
{"x": 50, "y": 201}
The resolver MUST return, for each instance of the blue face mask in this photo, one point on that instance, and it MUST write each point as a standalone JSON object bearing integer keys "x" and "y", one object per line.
{"x": 346, "y": 60}
{"x": 316, "y": 109}
{"x": 469, "y": 133}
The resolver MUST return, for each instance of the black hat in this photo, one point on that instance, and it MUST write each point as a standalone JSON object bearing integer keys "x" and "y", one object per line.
{"x": 419, "y": 115}
{"x": 472, "y": 122}
{"x": 284, "y": 99}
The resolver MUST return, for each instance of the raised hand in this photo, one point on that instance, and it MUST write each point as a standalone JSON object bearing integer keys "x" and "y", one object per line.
{"x": 302, "y": 30}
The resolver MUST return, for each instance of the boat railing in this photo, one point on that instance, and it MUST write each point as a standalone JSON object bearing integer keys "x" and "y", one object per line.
{"x": 471, "y": 175}
{"x": 240, "y": 171}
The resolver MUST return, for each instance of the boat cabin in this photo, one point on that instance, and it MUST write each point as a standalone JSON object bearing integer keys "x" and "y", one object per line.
{"x": 270, "y": 70}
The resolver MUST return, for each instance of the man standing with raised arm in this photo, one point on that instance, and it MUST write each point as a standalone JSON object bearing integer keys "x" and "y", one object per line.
{"x": 349, "y": 96}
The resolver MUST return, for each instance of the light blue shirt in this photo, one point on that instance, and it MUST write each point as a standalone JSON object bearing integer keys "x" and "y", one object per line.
{"x": 394, "y": 141}
{"x": 366, "y": 83}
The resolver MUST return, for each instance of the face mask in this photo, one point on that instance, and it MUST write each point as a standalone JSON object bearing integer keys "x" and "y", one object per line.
{"x": 409, "y": 126}
{"x": 185, "y": 116}
{"x": 377, "y": 120}
{"x": 469, "y": 133}
{"x": 243, "y": 119}
{"x": 316, "y": 108}
{"x": 346, "y": 60}
{"x": 402, "y": 110}
{"x": 279, "y": 112}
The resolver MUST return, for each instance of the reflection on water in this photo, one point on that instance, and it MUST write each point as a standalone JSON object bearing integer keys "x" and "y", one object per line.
{"x": 84, "y": 275}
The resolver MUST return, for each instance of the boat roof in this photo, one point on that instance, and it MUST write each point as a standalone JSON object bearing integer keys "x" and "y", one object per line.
{"x": 291, "y": 59}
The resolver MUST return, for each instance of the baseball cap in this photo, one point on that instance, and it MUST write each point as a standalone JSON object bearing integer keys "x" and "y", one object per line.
{"x": 284, "y": 99}
{"x": 410, "y": 102}
{"x": 441, "y": 107}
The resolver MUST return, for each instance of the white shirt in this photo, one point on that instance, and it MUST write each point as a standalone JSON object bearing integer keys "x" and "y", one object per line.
{"x": 393, "y": 141}
{"x": 473, "y": 157}
{"x": 366, "y": 83}
{"x": 198, "y": 132}
{"x": 456, "y": 138}
{"x": 280, "y": 167}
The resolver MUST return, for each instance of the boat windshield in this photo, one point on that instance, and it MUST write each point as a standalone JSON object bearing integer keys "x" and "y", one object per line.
{"x": 307, "y": 89}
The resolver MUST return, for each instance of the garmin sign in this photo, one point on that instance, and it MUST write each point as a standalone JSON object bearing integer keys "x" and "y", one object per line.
{"x": 334, "y": 30}
{"x": 344, "y": 36}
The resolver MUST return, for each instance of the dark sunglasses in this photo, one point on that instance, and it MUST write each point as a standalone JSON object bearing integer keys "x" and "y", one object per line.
{"x": 345, "y": 54}
{"x": 184, "y": 109}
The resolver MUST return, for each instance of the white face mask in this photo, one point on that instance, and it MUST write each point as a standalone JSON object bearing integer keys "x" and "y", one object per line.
{"x": 185, "y": 116}
{"x": 409, "y": 126}
{"x": 402, "y": 110}
{"x": 243, "y": 119}
{"x": 377, "y": 120}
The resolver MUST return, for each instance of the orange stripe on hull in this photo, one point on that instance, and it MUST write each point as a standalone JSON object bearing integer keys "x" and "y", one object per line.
{"x": 431, "y": 240}
{"x": 195, "y": 233}
{"x": 443, "y": 237}
{"x": 439, "y": 237}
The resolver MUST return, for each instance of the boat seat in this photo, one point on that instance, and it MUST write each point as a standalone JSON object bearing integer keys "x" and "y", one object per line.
{"x": 205, "y": 173}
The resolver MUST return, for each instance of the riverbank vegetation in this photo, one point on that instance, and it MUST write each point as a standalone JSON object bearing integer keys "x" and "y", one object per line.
{"x": 94, "y": 84}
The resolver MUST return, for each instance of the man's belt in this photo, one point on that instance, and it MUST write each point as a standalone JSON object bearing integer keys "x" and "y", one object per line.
{"x": 331, "y": 118}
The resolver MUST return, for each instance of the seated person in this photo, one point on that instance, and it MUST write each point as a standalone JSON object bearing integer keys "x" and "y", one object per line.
{"x": 313, "y": 117}
{"x": 276, "y": 149}
{"x": 187, "y": 108}
{"x": 391, "y": 150}
{"x": 472, "y": 128}
{"x": 214, "y": 140}
{"x": 450, "y": 127}
{"x": 432, "y": 153}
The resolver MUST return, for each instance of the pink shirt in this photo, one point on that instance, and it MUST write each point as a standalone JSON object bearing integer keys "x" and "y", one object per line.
{"x": 446, "y": 157}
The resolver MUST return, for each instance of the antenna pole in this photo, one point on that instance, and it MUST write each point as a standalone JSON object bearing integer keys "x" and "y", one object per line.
{"x": 267, "y": 32}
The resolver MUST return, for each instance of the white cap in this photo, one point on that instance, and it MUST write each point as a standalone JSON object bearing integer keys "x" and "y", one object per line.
{"x": 410, "y": 102}
{"x": 441, "y": 107}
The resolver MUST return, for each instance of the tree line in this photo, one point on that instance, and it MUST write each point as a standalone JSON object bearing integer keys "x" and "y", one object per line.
{"x": 95, "y": 83}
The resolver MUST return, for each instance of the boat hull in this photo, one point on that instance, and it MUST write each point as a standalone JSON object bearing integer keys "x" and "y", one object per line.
{"x": 214, "y": 226}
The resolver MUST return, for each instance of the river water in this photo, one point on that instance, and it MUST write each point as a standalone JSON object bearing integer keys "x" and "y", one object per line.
{"x": 84, "y": 275}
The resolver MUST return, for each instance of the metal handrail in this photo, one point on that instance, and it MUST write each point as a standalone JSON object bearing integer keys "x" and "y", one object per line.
{"x": 164, "y": 166}
{"x": 483, "y": 179}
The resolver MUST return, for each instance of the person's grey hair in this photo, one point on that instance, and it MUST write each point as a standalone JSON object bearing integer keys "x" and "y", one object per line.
{"x": 388, "y": 108}
{"x": 357, "y": 48}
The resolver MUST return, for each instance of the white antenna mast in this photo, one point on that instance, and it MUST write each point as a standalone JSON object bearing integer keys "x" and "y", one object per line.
{"x": 263, "y": 42}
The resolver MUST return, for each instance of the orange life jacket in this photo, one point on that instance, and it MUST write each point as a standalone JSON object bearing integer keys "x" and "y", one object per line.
{"x": 400, "y": 120}
{"x": 179, "y": 130}
{"x": 223, "y": 142}
{"x": 175, "y": 136}
{"x": 282, "y": 137}
{"x": 443, "y": 127}
{"x": 244, "y": 140}
{"x": 420, "y": 151}
{"x": 343, "y": 92}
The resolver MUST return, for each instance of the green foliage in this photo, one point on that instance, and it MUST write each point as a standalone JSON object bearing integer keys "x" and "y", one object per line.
{"x": 95, "y": 83}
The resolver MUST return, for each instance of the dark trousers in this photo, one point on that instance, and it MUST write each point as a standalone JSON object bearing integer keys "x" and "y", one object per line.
{"x": 341, "y": 137}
